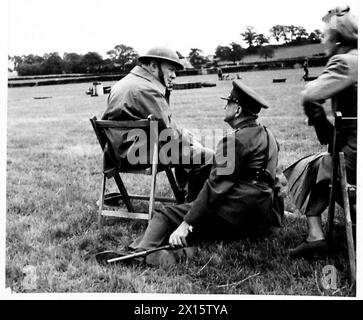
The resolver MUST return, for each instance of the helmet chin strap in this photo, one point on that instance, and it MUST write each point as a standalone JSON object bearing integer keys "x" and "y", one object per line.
{"x": 161, "y": 74}
{"x": 162, "y": 80}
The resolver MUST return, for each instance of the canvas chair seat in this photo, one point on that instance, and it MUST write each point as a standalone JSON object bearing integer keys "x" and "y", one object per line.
{"x": 347, "y": 196}
{"x": 114, "y": 139}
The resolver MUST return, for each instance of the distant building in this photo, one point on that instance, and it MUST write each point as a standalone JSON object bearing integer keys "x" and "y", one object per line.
{"x": 283, "y": 52}
{"x": 225, "y": 63}
{"x": 209, "y": 58}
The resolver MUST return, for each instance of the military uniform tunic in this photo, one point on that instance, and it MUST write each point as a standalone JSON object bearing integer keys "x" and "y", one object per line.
{"x": 229, "y": 205}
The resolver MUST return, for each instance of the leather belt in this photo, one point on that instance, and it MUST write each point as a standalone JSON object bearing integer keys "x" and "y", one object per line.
{"x": 255, "y": 176}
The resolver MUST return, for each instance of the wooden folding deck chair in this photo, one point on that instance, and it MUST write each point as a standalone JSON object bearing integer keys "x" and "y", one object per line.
{"x": 100, "y": 127}
{"x": 348, "y": 194}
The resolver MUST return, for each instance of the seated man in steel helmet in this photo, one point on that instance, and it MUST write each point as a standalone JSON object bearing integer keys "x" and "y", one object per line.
{"x": 236, "y": 201}
{"x": 145, "y": 91}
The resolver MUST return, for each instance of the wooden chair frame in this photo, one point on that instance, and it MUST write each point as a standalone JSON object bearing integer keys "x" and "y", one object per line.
{"x": 339, "y": 182}
{"x": 99, "y": 126}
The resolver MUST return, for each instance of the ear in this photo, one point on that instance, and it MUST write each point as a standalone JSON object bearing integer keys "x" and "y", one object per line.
{"x": 238, "y": 111}
{"x": 153, "y": 65}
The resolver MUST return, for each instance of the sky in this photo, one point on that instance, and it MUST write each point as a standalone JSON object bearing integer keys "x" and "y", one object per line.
{"x": 44, "y": 26}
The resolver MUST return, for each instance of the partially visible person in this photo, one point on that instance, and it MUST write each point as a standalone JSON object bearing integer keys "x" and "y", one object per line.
{"x": 306, "y": 70}
{"x": 146, "y": 91}
{"x": 220, "y": 74}
{"x": 232, "y": 204}
{"x": 309, "y": 178}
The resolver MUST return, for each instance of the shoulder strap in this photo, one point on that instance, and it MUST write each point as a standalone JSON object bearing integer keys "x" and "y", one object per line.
{"x": 267, "y": 150}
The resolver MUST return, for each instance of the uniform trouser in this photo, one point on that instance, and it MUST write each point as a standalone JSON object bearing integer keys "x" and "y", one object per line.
{"x": 192, "y": 179}
{"x": 192, "y": 175}
{"x": 165, "y": 221}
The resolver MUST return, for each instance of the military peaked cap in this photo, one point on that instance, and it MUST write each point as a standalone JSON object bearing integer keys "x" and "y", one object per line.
{"x": 246, "y": 97}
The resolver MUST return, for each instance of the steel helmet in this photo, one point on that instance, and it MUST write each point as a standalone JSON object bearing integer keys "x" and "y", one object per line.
{"x": 162, "y": 53}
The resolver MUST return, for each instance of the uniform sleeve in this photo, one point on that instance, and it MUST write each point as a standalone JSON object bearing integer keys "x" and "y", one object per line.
{"x": 219, "y": 183}
{"x": 334, "y": 78}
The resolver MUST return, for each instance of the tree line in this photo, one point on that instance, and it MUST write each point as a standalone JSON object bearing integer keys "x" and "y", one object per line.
{"x": 123, "y": 58}
{"x": 120, "y": 59}
{"x": 258, "y": 43}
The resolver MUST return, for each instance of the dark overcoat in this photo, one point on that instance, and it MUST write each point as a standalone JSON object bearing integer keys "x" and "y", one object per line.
{"x": 135, "y": 97}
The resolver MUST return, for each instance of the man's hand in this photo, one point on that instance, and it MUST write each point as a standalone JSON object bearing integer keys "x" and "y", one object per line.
{"x": 178, "y": 237}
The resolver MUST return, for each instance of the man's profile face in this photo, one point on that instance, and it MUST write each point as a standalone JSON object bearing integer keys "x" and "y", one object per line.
{"x": 168, "y": 72}
{"x": 230, "y": 111}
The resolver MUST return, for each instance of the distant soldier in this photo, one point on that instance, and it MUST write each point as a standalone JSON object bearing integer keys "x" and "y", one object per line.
{"x": 306, "y": 70}
{"x": 220, "y": 74}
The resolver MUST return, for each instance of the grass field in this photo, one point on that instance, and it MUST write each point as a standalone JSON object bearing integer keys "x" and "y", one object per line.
{"x": 54, "y": 168}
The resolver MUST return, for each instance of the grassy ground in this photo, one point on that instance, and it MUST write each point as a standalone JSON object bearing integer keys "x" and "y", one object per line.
{"x": 53, "y": 181}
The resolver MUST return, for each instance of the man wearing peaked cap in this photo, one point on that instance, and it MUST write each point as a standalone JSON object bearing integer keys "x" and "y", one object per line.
{"x": 236, "y": 201}
{"x": 246, "y": 97}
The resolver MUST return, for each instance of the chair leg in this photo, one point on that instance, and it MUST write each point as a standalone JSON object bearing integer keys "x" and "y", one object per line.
{"x": 179, "y": 196}
{"x": 153, "y": 182}
{"x": 331, "y": 208}
{"x": 102, "y": 198}
{"x": 123, "y": 191}
{"x": 348, "y": 221}
{"x": 352, "y": 203}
